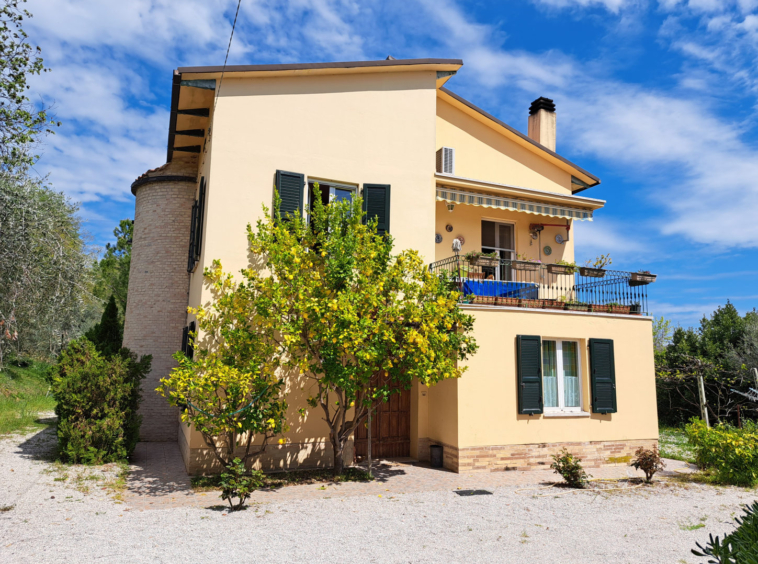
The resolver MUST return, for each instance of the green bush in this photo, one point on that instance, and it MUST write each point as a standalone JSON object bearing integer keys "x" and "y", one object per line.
{"x": 97, "y": 400}
{"x": 108, "y": 334}
{"x": 739, "y": 547}
{"x": 730, "y": 452}
{"x": 570, "y": 467}
{"x": 236, "y": 483}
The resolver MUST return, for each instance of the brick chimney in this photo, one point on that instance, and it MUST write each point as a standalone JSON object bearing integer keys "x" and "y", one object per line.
{"x": 542, "y": 122}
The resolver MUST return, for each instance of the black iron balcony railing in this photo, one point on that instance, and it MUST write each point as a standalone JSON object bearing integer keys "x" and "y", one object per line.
{"x": 495, "y": 281}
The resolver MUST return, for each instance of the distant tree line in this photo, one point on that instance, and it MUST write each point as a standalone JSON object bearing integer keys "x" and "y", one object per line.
{"x": 53, "y": 287}
{"x": 723, "y": 349}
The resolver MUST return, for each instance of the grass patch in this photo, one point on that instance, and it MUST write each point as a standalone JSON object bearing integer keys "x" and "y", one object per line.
{"x": 673, "y": 443}
{"x": 23, "y": 396}
{"x": 283, "y": 479}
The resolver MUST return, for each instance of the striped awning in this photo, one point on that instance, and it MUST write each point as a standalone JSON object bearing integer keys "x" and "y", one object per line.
{"x": 513, "y": 204}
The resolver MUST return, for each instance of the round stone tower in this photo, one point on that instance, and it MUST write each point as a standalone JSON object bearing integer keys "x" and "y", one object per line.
{"x": 156, "y": 307}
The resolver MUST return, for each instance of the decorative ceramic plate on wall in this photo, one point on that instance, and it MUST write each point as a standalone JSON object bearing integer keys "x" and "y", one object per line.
{"x": 438, "y": 238}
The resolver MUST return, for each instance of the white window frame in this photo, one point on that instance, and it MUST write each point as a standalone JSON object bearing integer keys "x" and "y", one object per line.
{"x": 560, "y": 376}
{"x": 332, "y": 185}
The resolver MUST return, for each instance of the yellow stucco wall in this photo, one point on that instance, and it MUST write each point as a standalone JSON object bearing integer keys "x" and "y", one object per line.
{"x": 487, "y": 393}
{"x": 353, "y": 129}
{"x": 484, "y": 154}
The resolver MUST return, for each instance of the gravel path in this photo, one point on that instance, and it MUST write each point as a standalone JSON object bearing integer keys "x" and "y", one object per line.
{"x": 54, "y": 521}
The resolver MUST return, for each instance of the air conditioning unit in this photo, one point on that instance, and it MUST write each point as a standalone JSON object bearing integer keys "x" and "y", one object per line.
{"x": 446, "y": 160}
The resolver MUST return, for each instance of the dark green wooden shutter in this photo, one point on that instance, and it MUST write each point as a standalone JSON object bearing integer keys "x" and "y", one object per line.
{"x": 200, "y": 218}
{"x": 290, "y": 188}
{"x": 191, "y": 254}
{"x": 376, "y": 204}
{"x": 602, "y": 376}
{"x": 529, "y": 374}
{"x": 190, "y": 343}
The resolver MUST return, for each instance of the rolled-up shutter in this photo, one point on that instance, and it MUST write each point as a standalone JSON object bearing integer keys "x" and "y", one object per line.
{"x": 289, "y": 185}
{"x": 529, "y": 374}
{"x": 376, "y": 204}
{"x": 602, "y": 376}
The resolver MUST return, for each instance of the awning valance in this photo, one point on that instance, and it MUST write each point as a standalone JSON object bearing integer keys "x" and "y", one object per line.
{"x": 512, "y": 204}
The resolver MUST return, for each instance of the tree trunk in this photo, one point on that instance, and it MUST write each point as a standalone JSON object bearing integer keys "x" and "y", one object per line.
{"x": 339, "y": 463}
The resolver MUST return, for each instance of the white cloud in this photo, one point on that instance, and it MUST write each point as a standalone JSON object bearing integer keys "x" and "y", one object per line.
{"x": 613, "y": 6}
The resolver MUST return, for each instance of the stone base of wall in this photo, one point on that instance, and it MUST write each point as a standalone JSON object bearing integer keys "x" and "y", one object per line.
{"x": 292, "y": 456}
{"x": 535, "y": 456}
{"x": 423, "y": 453}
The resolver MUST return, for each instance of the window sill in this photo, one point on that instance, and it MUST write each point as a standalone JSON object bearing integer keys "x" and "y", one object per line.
{"x": 566, "y": 414}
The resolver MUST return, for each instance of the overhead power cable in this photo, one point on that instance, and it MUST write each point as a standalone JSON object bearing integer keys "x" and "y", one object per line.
{"x": 228, "y": 47}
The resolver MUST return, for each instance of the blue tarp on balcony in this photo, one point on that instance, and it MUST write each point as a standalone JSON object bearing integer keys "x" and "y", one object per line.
{"x": 498, "y": 288}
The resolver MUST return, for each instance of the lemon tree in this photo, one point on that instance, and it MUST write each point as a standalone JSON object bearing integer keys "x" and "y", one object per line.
{"x": 230, "y": 391}
{"x": 345, "y": 309}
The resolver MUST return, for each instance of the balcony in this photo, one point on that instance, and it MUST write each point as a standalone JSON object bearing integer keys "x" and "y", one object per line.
{"x": 512, "y": 283}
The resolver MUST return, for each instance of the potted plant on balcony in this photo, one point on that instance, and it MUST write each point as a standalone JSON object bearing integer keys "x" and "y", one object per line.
{"x": 595, "y": 269}
{"x": 525, "y": 263}
{"x": 484, "y": 300}
{"x": 560, "y": 303}
{"x": 478, "y": 258}
{"x": 533, "y": 303}
{"x": 562, "y": 267}
{"x": 642, "y": 278}
{"x": 574, "y": 305}
{"x": 614, "y": 307}
{"x": 508, "y": 301}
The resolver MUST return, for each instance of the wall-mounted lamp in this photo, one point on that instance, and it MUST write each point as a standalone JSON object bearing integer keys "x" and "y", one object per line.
{"x": 450, "y": 206}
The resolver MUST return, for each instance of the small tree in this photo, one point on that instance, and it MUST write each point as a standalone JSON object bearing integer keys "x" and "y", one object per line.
{"x": 230, "y": 393}
{"x": 649, "y": 461}
{"x": 109, "y": 333}
{"x": 347, "y": 311}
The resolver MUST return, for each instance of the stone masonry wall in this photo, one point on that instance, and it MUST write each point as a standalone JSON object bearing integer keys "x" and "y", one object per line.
{"x": 528, "y": 457}
{"x": 156, "y": 309}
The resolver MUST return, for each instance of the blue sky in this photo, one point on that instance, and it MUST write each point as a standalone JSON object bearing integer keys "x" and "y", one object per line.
{"x": 657, "y": 98}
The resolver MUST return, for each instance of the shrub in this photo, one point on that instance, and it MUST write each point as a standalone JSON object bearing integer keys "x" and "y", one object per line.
{"x": 108, "y": 334}
{"x": 236, "y": 483}
{"x": 570, "y": 467}
{"x": 649, "y": 461}
{"x": 732, "y": 453}
{"x": 97, "y": 400}
{"x": 741, "y": 546}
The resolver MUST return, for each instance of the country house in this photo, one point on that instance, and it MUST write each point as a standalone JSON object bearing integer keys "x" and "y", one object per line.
{"x": 566, "y": 353}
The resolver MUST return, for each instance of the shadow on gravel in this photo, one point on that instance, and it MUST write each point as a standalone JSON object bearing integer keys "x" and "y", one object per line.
{"x": 42, "y": 445}
{"x": 157, "y": 470}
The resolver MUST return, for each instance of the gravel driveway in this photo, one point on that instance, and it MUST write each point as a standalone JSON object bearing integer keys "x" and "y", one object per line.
{"x": 55, "y": 521}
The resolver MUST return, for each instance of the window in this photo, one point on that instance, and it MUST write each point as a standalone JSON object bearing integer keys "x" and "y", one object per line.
{"x": 561, "y": 384}
{"x": 330, "y": 192}
{"x": 498, "y": 238}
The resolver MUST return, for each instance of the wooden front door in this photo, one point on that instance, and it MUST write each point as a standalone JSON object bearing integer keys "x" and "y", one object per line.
{"x": 390, "y": 428}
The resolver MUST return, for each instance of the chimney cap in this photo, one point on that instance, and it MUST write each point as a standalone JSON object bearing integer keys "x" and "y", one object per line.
{"x": 541, "y": 103}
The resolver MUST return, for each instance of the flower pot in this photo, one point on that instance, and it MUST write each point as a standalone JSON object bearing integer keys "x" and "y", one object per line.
{"x": 560, "y": 269}
{"x": 618, "y": 309}
{"x": 577, "y": 307}
{"x": 520, "y": 265}
{"x": 635, "y": 309}
{"x": 485, "y": 261}
{"x": 486, "y": 300}
{"x": 599, "y": 308}
{"x": 503, "y": 301}
{"x": 532, "y": 303}
{"x": 639, "y": 279}
{"x": 591, "y": 272}
{"x": 554, "y": 304}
